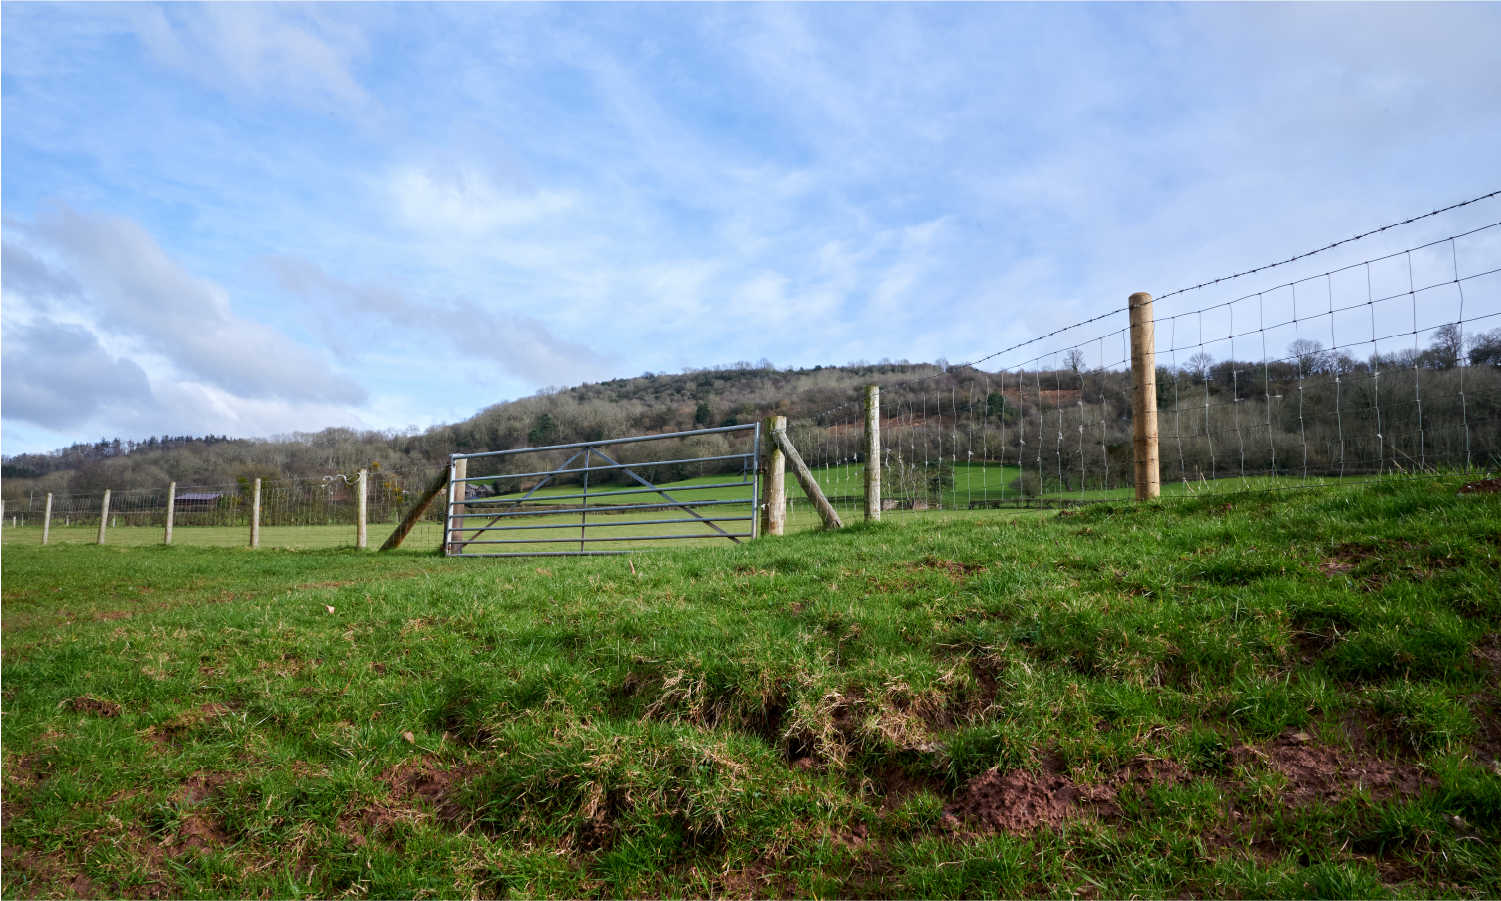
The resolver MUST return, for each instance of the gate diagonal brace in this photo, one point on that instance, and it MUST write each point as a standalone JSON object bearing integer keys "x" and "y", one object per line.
{"x": 690, "y": 511}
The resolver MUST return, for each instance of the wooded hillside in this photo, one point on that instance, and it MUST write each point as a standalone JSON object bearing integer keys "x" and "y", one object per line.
{"x": 651, "y": 403}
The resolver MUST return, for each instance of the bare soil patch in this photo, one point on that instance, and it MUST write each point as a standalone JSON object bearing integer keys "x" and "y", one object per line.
{"x": 428, "y": 782}
{"x": 96, "y": 706}
{"x": 1020, "y": 801}
{"x": 1319, "y": 774}
{"x": 1484, "y": 486}
{"x": 956, "y": 570}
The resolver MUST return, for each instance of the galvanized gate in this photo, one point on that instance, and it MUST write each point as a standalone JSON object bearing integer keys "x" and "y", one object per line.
{"x": 501, "y": 513}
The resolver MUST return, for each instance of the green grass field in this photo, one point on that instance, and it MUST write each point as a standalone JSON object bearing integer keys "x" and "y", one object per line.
{"x": 1284, "y": 694}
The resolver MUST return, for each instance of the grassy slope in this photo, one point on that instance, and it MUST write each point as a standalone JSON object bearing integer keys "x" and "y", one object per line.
{"x": 785, "y": 718}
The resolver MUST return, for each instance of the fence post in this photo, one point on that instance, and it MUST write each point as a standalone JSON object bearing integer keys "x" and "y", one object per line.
{"x": 171, "y": 508}
{"x": 47, "y": 519}
{"x": 458, "y": 490}
{"x": 773, "y": 479}
{"x": 872, "y": 453}
{"x": 103, "y": 515}
{"x": 255, "y": 515}
{"x": 1144, "y": 398}
{"x": 359, "y": 532}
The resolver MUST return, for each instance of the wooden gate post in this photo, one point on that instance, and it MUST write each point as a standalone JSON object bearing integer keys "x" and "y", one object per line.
{"x": 47, "y": 519}
{"x": 103, "y": 515}
{"x": 359, "y": 531}
{"x": 171, "y": 509}
{"x": 872, "y": 453}
{"x": 458, "y": 490}
{"x": 773, "y": 478}
{"x": 255, "y": 516}
{"x": 1144, "y": 398}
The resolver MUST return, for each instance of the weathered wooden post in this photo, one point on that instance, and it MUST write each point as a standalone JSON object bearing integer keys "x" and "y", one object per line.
{"x": 359, "y": 531}
{"x": 1144, "y": 398}
{"x": 457, "y": 492}
{"x": 255, "y": 515}
{"x": 773, "y": 478}
{"x": 171, "y": 509}
{"x": 47, "y": 518}
{"x": 872, "y": 453}
{"x": 103, "y": 515}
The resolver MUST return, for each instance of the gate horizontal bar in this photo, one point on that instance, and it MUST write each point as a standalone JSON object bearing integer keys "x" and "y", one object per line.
{"x": 581, "y": 540}
{"x": 560, "y": 553}
{"x": 619, "y": 509}
{"x": 607, "y": 525}
{"x": 561, "y": 472}
{"x": 522, "y": 450}
{"x": 558, "y": 497}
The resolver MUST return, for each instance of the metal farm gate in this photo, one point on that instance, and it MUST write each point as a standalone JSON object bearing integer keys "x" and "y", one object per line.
{"x": 534, "y": 502}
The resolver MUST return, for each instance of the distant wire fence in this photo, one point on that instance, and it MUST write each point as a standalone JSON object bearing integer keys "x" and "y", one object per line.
{"x": 1387, "y": 368}
{"x": 322, "y": 512}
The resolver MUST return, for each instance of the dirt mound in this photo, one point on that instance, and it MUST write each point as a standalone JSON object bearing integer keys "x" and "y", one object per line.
{"x": 199, "y": 787}
{"x": 1321, "y": 774}
{"x": 428, "y": 782}
{"x": 1484, "y": 486}
{"x": 1020, "y": 801}
{"x": 954, "y": 568}
{"x": 96, "y": 706}
{"x": 199, "y": 832}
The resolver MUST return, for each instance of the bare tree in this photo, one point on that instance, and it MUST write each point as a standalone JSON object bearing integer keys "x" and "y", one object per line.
{"x": 1310, "y": 354}
{"x": 1448, "y": 346}
{"x": 1073, "y": 358}
{"x": 1198, "y": 366}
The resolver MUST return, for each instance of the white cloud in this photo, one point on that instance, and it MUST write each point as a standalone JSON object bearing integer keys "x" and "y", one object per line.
{"x": 59, "y": 376}
{"x": 294, "y": 51}
{"x": 445, "y": 196}
{"x": 521, "y": 345}
{"x": 136, "y": 291}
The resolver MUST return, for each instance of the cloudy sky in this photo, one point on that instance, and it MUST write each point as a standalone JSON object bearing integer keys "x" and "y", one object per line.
{"x": 251, "y": 219}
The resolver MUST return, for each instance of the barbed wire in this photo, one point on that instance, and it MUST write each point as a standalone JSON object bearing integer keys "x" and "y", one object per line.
{"x": 1116, "y": 311}
{"x": 1303, "y": 256}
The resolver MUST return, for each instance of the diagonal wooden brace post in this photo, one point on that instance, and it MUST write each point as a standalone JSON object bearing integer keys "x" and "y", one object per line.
{"x": 414, "y": 514}
{"x": 805, "y": 479}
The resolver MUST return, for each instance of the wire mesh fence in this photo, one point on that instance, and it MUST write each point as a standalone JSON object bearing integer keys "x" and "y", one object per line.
{"x": 1387, "y": 368}
{"x": 320, "y": 512}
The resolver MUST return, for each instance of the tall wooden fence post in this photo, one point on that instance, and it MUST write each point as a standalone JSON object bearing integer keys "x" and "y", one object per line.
{"x": 47, "y": 519}
{"x": 171, "y": 509}
{"x": 773, "y": 478}
{"x": 255, "y": 515}
{"x": 872, "y": 453}
{"x": 359, "y": 531}
{"x": 457, "y": 492}
{"x": 1144, "y": 398}
{"x": 103, "y": 515}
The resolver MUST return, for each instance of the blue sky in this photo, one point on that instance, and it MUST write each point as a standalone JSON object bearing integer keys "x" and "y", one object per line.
{"x": 255, "y": 219}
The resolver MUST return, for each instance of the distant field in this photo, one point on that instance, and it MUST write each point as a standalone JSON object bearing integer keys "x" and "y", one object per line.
{"x": 1279, "y": 695}
{"x": 974, "y": 484}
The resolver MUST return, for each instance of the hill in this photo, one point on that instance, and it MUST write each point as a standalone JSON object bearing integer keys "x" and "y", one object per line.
{"x": 647, "y": 404}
